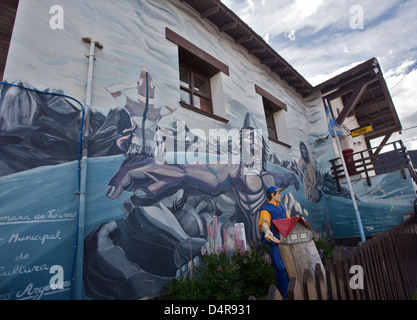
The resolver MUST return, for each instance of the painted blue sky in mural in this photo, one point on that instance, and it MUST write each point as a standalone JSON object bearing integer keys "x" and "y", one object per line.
{"x": 317, "y": 38}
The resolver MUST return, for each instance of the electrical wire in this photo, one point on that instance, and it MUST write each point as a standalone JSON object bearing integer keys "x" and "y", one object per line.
{"x": 411, "y": 69}
{"x": 410, "y": 140}
{"x": 78, "y": 160}
{"x": 409, "y": 128}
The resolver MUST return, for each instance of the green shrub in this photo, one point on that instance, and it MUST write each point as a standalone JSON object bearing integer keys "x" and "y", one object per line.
{"x": 256, "y": 271}
{"x": 226, "y": 278}
{"x": 323, "y": 244}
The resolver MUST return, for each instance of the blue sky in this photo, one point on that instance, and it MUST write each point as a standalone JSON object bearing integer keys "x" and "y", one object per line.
{"x": 317, "y": 38}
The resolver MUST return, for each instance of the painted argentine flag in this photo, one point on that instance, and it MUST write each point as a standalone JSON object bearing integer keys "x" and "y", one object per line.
{"x": 341, "y": 131}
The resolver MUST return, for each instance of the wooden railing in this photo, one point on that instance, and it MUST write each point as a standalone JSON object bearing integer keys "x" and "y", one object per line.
{"x": 370, "y": 162}
{"x": 388, "y": 262}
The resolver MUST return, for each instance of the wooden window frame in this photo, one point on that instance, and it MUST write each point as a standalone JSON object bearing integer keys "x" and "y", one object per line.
{"x": 274, "y": 105}
{"x": 187, "y": 45}
{"x": 214, "y": 66}
{"x": 268, "y": 111}
{"x": 192, "y": 74}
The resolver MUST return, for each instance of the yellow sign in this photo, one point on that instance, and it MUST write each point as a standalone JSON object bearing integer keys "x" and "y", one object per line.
{"x": 361, "y": 131}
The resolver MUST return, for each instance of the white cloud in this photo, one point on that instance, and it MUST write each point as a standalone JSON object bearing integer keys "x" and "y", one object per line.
{"x": 399, "y": 71}
{"x": 403, "y": 92}
{"x": 315, "y": 37}
{"x": 401, "y": 82}
{"x": 320, "y": 78}
{"x": 291, "y": 34}
{"x": 307, "y": 8}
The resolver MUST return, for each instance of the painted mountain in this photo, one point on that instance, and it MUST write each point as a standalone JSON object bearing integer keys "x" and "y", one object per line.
{"x": 39, "y": 129}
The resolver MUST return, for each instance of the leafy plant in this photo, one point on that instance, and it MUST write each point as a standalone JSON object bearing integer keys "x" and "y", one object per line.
{"x": 255, "y": 269}
{"x": 224, "y": 277}
{"x": 325, "y": 246}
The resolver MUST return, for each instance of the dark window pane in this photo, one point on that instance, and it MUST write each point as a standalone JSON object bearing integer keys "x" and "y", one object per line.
{"x": 202, "y": 86}
{"x": 202, "y": 103}
{"x": 272, "y": 134}
{"x": 269, "y": 119}
{"x": 184, "y": 78}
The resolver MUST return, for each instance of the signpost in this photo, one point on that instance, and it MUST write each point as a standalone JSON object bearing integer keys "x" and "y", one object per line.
{"x": 361, "y": 131}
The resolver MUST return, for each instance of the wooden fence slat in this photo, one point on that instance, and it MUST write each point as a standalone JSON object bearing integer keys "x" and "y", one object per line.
{"x": 384, "y": 270}
{"x": 357, "y": 293}
{"x": 320, "y": 284}
{"x": 379, "y": 285}
{"x": 380, "y": 267}
{"x": 406, "y": 251}
{"x": 365, "y": 293}
{"x": 412, "y": 256}
{"x": 403, "y": 252}
{"x": 389, "y": 263}
{"x": 337, "y": 276}
{"x": 294, "y": 290}
{"x": 372, "y": 270}
{"x": 308, "y": 286}
{"x": 330, "y": 282}
{"x": 392, "y": 242}
{"x": 413, "y": 230}
{"x": 407, "y": 256}
{"x": 368, "y": 275}
{"x": 397, "y": 242}
{"x": 346, "y": 275}
{"x": 394, "y": 272}
{"x": 273, "y": 293}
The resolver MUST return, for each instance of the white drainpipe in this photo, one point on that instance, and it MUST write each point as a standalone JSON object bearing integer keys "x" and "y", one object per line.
{"x": 83, "y": 180}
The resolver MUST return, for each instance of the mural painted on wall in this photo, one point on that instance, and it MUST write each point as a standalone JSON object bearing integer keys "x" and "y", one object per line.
{"x": 38, "y": 204}
{"x": 162, "y": 215}
{"x": 141, "y": 110}
{"x": 147, "y": 221}
{"x": 172, "y": 212}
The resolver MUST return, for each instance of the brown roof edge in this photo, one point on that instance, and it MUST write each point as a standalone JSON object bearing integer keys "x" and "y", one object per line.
{"x": 299, "y": 83}
{"x": 264, "y": 43}
{"x": 8, "y": 9}
{"x": 358, "y": 73}
{"x": 351, "y": 72}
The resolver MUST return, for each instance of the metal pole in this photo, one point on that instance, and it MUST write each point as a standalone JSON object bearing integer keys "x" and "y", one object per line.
{"x": 352, "y": 194}
{"x": 83, "y": 181}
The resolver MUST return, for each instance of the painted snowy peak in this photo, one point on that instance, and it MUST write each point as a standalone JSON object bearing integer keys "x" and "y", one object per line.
{"x": 39, "y": 128}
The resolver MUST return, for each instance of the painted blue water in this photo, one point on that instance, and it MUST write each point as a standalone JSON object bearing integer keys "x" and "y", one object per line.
{"x": 38, "y": 220}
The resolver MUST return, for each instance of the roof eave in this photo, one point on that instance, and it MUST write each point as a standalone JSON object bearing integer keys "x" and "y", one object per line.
{"x": 228, "y": 22}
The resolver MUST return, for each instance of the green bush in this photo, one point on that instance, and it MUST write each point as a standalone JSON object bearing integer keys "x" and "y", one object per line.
{"x": 226, "y": 278}
{"x": 324, "y": 244}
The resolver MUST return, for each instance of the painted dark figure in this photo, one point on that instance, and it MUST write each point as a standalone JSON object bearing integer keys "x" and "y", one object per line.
{"x": 308, "y": 175}
{"x": 166, "y": 218}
